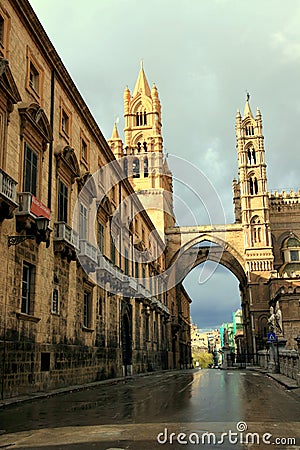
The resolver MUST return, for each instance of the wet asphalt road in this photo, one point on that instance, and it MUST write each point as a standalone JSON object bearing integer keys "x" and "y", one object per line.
{"x": 131, "y": 414}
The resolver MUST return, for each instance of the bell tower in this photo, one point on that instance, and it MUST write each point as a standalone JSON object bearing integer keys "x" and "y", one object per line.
{"x": 146, "y": 165}
{"x": 252, "y": 203}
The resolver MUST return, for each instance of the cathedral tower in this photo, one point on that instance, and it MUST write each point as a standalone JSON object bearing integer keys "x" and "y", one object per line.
{"x": 251, "y": 196}
{"x": 146, "y": 165}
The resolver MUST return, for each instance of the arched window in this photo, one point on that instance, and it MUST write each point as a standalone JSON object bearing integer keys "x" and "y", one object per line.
{"x": 139, "y": 145}
{"x": 262, "y": 331}
{"x": 141, "y": 117}
{"x": 251, "y": 186}
{"x": 255, "y": 185}
{"x": 291, "y": 250}
{"x": 256, "y": 230}
{"x": 145, "y": 146}
{"x": 251, "y": 156}
{"x": 136, "y": 168}
{"x": 126, "y": 167}
{"x": 249, "y": 130}
{"x": 146, "y": 173}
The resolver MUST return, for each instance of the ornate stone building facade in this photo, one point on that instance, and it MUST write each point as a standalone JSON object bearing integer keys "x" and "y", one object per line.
{"x": 261, "y": 248}
{"x": 87, "y": 230}
{"x": 81, "y": 261}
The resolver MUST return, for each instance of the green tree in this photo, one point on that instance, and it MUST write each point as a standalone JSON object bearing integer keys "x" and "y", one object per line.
{"x": 205, "y": 359}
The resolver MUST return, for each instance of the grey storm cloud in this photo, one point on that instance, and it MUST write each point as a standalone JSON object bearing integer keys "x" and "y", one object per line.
{"x": 203, "y": 56}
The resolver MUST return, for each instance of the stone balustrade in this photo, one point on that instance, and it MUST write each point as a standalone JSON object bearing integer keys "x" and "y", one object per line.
{"x": 289, "y": 363}
{"x": 281, "y": 360}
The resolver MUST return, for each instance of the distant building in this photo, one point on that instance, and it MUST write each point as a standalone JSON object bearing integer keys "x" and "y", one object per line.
{"x": 205, "y": 342}
{"x": 199, "y": 341}
{"x": 232, "y": 332}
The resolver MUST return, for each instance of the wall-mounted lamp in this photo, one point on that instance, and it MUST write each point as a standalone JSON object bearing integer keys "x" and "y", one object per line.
{"x": 41, "y": 224}
{"x": 15, "y": 240}
{"x": 41, "y": 230}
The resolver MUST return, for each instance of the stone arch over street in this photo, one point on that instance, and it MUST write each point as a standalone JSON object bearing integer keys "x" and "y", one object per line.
{"x": 188, "y": 247}
{"x": 219, "y": 249}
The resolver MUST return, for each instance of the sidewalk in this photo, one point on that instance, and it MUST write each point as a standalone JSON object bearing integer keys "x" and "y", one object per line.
{"x": 78, "y": 387}
{"x": 287, "y": 382}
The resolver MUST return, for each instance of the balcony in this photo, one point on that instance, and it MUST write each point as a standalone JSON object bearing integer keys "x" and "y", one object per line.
{"x": 87, "y": 255}
{"x": 7, "y": 196}
{"x": 66, "y": 241}
{"x": 30, "y": 214}
{"x": 132, "y": 286}
{"x": 108, "y": 272}
{"x": 129, "y": 286}
{"x": 158, "y": 305}
{"x": 143, "y": 291}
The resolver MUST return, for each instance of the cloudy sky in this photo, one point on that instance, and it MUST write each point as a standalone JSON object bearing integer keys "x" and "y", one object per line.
{"x": 203, "y": 56}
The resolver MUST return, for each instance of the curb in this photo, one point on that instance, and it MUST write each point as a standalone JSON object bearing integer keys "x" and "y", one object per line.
{"x": 5, "y": 403}
{"x": 288, "y": 383}
{"x": 68, "y": 389}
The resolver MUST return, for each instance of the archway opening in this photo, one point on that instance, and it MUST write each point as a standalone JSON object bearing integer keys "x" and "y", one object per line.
{"x": 215, "y": 294}
{"x": 216, "y": 312}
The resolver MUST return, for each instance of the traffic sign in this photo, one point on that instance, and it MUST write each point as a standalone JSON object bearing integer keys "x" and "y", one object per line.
{"x": 271, "y": 337}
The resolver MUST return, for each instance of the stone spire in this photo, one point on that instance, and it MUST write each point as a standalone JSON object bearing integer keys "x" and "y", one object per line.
{"x": 115, "y": 143}
{"x": 142, "y": 84}
{"x": 247, "y": 110}
{"x": 115, "y": 133}
{"x": 126, "y": 100}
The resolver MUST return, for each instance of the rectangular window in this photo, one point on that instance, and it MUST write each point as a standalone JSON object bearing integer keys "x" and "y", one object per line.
{"x": 112, "y": 252}
{"x": 2, "y": 134}
{"x": 1, "y": 31}
{"x": 101, "y": 237}
{"x": 62, "y": 202}
{"x": 136, "y": 269}
{"x": 294, "y": 255}
{"x": 87, "y": 313}
{"x": 155, "y": 330}
{"x": 126, "y": 268}
{"x": 27, "y": 289}
{"x": 34, "y": 78}
{"x": 55, "y": 301}
{"x": 113, "y": 193}
{"x": 4, "y": 32}
{"x": 84, "y": 149}
{"x": 65, "y": 122}
{"x": 82, "y": 222}
{"x": 45, "y": 362}
{"x": 30, "y": 170}
{"x": 147, "y": 337}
